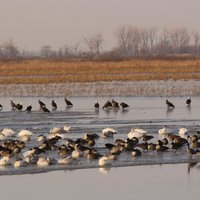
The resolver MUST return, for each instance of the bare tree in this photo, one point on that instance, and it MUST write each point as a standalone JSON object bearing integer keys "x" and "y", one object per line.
{"x": 46, "y": 51}
{"x": 152, "y": 37}
{"x": 94, "y": 43}
{"x": 10, "y": 50}
{"x": 196, "y": 41}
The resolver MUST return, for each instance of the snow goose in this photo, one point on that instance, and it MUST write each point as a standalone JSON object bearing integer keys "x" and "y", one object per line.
{"x": 164, "y": 131}
{"x": 42, "y": 161}
{"x": 7, "y": 132}
{"x": 136, "y": 132}
{"x": 108, "y": 132}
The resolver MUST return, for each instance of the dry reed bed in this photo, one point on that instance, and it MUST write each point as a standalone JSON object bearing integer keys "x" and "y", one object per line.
{"x": 46, "y": 72}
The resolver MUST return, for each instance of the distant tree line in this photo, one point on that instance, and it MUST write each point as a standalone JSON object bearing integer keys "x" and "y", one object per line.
{"x": 131, "y": 42}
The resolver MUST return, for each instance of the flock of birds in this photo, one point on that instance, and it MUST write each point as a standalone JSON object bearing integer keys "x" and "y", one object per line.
{"x": 107, "y": 106}
{"x": 16, "y": 149}
{"x": 26, "y": 148}
{"x": 170, "y": 105}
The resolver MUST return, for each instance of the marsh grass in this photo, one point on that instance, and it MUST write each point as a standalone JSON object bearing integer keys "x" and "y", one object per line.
{"x": 47, "y": 72}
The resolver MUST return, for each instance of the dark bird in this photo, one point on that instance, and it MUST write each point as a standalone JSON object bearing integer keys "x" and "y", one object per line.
{"x": 19, "y": 106}
{"x": 188, "y": 101}
{"x": 44, "y": 109}
{"x": 29, "y": 108}
{"x": 41, "y": 103}
{"x": 13, "y": 106}
{"x": 170, "y": 104}
{"x": 96, "y": 106}
{"x": 107, "y": 105}
{"x": 124, "y": 105}
{"x": 115, "y": 104}
{"x": 54, "y": 105}
{"x": 68, "y": 103}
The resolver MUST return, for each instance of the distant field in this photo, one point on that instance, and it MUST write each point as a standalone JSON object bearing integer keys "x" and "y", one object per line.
{"x": 43, "y": 71}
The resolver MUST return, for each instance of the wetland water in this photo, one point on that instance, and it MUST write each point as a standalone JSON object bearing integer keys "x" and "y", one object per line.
{"x": 83, "y": 179}
{"x": 149, "y": 113}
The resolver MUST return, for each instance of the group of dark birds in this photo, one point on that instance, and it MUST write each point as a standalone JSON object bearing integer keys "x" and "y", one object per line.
{"x": 113, "y": 104}
{"x": 19, "y": 106}
{"x": 107, "y": 106}
{"x": 170, "y": 105}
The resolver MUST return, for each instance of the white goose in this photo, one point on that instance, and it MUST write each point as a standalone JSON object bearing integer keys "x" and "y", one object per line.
{"x": 108, "y": 132}
{"x": 136, "y": 132}
{"x": 7, "y": 132}
{"x": 65, "y": 161}
{"x": 42, "y": 161}
{"x": 183, "y": 131}
{"x": 25, "y": 132}
{"x": 164, "y": 131}
{"x": 59, "y": 130}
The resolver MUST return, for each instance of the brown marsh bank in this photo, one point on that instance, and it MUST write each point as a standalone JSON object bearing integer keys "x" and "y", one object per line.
{"x": 47, "y": 71}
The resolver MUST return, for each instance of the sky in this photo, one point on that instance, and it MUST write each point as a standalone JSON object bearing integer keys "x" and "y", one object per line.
{"x": 34, "y": 23}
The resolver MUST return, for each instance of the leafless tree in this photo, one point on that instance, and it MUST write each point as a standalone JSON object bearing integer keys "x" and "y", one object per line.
{"x": 152, "y": 37}
{"x": 10, "y": 50}
{"x": 46, "y": 51}
{"x": 94, "y": 43}
{"x": 196, "y": 42}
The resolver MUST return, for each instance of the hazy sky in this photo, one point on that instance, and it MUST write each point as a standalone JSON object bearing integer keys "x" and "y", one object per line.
{"x": 33, "y": 23}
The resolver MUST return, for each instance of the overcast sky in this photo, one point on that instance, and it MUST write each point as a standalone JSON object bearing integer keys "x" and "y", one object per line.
{"x": 33, "y": 23}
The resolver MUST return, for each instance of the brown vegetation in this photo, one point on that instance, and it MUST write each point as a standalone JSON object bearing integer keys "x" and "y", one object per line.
{"x": 47, "y": 71}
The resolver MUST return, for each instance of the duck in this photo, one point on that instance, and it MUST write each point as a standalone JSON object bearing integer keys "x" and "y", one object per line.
{"x": 90, "y": 136}
{"x": 109, "y": 132}
{"x": 41, "y": 138}
{"x": 115, "y": 104}
{"x": 124, "y": 105}
{"x": 136, "y": 152}
{"x": 147, "y": 137}
{"x": 107, "y": 106}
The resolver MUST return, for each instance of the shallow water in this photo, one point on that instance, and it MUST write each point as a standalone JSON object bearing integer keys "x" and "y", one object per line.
{"x": 149, "y": 113}
{"x": 136, "y": 182}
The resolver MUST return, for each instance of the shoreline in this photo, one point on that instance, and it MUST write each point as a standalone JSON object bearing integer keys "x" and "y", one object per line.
{"x": 152, "y": 88}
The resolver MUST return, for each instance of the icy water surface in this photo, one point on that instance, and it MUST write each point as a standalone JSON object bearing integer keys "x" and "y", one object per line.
{"x": 149, "y": 113}
{"x": 137, "y": 182}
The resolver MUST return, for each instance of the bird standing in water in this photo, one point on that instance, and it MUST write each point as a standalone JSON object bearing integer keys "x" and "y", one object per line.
{"x": 170, "y": 104}
{"x": 54, "y": 105}
{"x": 188, "y": 101}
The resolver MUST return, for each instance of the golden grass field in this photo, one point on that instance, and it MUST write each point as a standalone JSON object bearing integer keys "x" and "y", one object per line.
{"x": 47, "y": 71}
